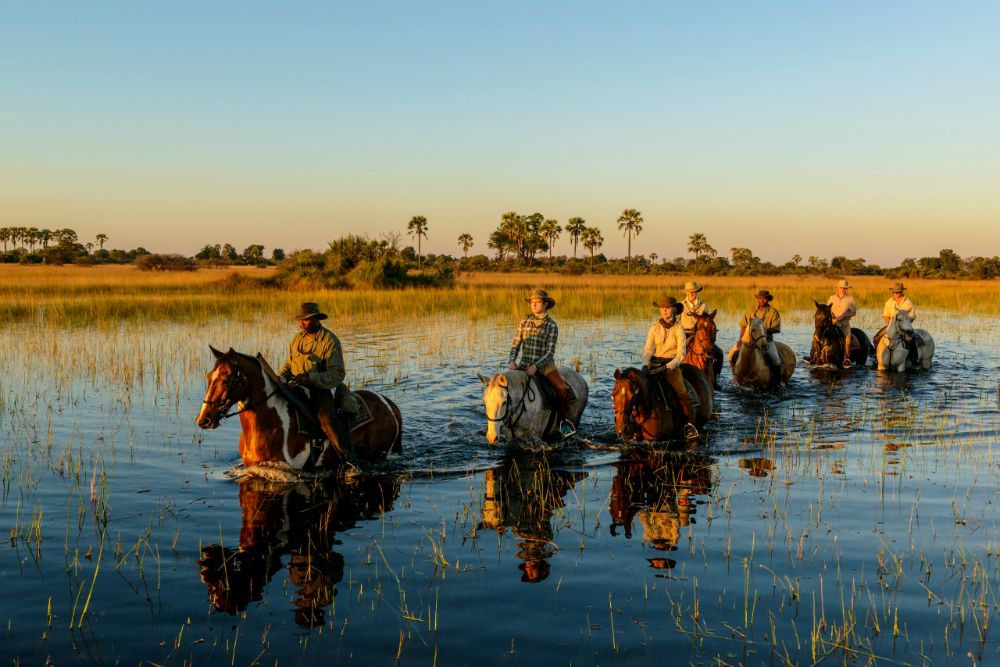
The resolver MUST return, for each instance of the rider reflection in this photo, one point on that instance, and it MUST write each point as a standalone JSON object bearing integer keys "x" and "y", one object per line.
{"x": 300, "y": 521}
{"x": 660, "y": 489}
{"x": 523, "y": 494}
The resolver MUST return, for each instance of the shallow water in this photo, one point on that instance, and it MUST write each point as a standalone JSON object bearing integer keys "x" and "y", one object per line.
{"x": 851, "y": 516}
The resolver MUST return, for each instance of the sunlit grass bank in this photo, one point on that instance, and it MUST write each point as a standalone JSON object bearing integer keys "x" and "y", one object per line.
{"x": 106, "y": 296}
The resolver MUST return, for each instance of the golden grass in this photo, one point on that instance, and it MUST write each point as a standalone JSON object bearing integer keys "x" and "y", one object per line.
{"x": 107, "y": 295}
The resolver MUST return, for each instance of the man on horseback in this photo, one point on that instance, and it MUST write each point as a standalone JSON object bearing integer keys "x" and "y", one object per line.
{"x": 900, "y": 302}
{"x": 663, "y": 353}
{"x": 316, "y": 362}
{"x": 771, "y": 318}
{"x": 843, "y": 308}
{"x": 535, "y": 340}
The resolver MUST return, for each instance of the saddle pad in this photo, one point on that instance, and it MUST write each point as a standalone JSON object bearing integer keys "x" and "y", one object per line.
{"x": 362, "y": 417}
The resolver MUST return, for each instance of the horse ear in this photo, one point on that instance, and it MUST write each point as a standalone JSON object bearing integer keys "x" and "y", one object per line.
{"x": 618, "y": 374}
{"x": 217, "y": 353}
{"x": 482, "y": 378}
{"x": 712, "y": 314}
{"x": 502, "y": 380}
{"x": 818, "y": 304}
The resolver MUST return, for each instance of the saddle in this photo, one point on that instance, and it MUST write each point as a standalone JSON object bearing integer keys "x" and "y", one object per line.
{"x": 548, "y": 392}
{"x": 667, "y": 395}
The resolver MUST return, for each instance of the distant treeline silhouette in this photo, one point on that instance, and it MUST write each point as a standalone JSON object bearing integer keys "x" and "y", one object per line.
{"x": 519, "y": 243}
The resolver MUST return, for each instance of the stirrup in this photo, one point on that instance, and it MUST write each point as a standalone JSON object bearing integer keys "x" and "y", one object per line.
{"x": 690, "y": 432}
{"x": 566, "y": 429}
{"x": 847, "y": 364}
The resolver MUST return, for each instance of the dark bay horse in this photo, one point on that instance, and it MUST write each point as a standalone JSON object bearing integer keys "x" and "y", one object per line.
{"x": 298, "y": 522}
{"x": 702, "y": 352}
{"x": 274, "y": 430}
{"x": 641, "y": 414}
{"x": 828, "y": 341}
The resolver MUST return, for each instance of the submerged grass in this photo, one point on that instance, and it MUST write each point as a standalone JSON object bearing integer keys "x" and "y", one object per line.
{"x": 106, "y": 296}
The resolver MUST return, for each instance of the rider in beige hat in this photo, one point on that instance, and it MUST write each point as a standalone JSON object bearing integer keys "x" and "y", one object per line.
{"x": 843, "y": 309}
{"x": 664, "y": 353}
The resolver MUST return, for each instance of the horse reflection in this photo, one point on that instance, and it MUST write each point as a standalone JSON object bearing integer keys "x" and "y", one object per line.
{"x": 523, "y": 494}
{"x": 299, "y": 521}
{"x": 659, "y": 490}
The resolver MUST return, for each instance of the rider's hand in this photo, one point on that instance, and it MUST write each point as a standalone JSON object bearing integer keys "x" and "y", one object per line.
{"x": 302, "y": 378}
{"x": 531, "y": 370}
{"x": 512, "y": 366}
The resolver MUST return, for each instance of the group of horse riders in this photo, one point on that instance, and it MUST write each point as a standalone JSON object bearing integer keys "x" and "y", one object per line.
{"x": 316, "y": 361}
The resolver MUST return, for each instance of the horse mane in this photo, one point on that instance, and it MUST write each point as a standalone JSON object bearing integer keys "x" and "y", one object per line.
{"x": 638, "y": 378}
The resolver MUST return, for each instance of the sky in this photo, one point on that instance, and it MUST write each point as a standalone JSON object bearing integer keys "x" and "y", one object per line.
{"x": 863, "y": 129}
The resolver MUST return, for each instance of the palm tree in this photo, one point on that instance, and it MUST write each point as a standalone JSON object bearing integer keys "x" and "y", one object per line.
{"x": 101, "y": 238}
{"x": 516, "y": 228}
{"x": 418, "y": 228}
{"x": 31, "y": 237}
{"x": 45, "y": 235}
{"x": 5, "y": 236}
{"x": 699, "y": 247}
{"x": 592, "y": 240}
{"x": 574, "y": 227}
{"x": 550, "y": 229}
{"x": 465, "y": 241}
{"x": 630, "y": 222}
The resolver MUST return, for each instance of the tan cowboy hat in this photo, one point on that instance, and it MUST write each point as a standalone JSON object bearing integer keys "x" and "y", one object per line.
{"x": 544, "y": 296}
{"x": 764, "y": 293}
{"x": 692, "y": 286}
{"x": 309, "y": 310}
{"x": 843, "y": 283}
{"x": 897, "y": 288}
{"x": 670, "y": 302}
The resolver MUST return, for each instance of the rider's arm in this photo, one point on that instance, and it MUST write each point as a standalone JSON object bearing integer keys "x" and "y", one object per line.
{"x": 774, "y": 322}
{"x": 650, "y": 346}
{"x": 680, "y": 341}
{"x": 515, "y": 346}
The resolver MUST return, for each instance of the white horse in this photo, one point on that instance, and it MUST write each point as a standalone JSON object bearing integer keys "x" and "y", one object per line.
{"x": 513, "y": 400}
{"x": 892, "y": 354}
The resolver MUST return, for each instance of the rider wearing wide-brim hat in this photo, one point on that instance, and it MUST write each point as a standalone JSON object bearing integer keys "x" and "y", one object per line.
{"x": 899, "y": 302}
{"x": 535, "y": 342}
{"x": 316, "y": 362}
{"x": 664, "y": 352}
{"x": 843, "y": 307}
{"x": 693, "y": 305}
{"x": 771, "y": 318}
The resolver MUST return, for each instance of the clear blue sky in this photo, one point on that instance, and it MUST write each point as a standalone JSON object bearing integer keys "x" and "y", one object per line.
{"x": 865, "y": 129}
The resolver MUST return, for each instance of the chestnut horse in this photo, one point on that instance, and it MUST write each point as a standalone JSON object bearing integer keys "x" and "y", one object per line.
{"x": 275, "y": 431}
{"x": 641, "y": 414}
{"x": 749, "y": 359}
{"x": 828, "y": 341}
{"x": 298, "y": 521}
{"x": 702, "y": 352}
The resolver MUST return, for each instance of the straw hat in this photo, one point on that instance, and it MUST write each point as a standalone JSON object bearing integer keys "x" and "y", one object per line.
{"x": 309, "y": 310}
{"x": 843, "y": 283}
{"x": 897, "y": 288}
{"x": 670, "y": 302}
{"x": 764, "y": 293}
{"x": 692, "y": 286}
{"x": 544, "y": 296}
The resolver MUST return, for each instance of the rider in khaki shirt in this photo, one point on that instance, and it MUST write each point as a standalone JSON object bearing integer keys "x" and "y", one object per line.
{"x": 843, "y": 309}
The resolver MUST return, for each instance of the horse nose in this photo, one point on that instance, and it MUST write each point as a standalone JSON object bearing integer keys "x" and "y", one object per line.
{"x": 491, "y": 438}
{"x": 203, "y": 422}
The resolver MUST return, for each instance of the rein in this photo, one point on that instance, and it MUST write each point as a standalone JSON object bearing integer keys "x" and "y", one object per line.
{"x": 239, "y": 379}
{"x": 506, "y": 418}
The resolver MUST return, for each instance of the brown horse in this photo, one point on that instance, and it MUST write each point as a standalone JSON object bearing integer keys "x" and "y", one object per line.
{"x": 640, "y": 412}
{"x": 828, "y": 341}
{"x": 275, "y": 431}
{"x": 295, "y": 520}
{"x": 749, "y": 359}
{"x": 702, "y": 352}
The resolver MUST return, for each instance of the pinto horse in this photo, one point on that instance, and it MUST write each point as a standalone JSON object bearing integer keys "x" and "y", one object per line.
{"x": 891, "y": 353}
{"x": 828, "y": 341}
{"x": 275, "y": 431}
{"x": 514, "y": 400}
{"x": 641, "y": 414}
{"x": 702, "y": 352}
{"x": 749, "y": 359}
{"x": 296, "y": 523}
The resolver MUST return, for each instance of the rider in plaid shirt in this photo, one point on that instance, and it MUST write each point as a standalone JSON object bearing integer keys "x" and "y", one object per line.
{"x": 536, "y": 341}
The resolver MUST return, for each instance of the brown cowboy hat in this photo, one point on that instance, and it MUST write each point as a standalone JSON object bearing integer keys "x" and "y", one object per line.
{"x": 692, "y": 286}
{"x": 764, "y": 293}
{"x": 898, "y": 288}
{"x": 543, "y": 295}
{"x": 669, "y": 302}
{"x": 309, "y": 310}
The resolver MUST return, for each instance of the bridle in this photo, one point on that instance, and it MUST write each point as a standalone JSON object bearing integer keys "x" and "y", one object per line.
{"x": 238, "y": 379}
{"x": 632, "y": 425}
{"x": 508, "y": 418}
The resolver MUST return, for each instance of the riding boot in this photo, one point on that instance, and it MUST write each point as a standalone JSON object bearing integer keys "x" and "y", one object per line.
{"x": 914, "y": 356}
{"x": 335, "y": 428}
{"x": 563, "y": 398}
{"x": 848, "y": 338}
{"x": 690, "y": 431}
{"x": 774, "y": 361}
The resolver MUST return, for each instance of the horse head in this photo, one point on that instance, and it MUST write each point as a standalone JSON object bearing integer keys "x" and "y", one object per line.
{"x": 496, "y": 398}
{"x": 823, "y": 317}
{"x": 900, "y": 325}
{"x": 228, "y": 384}
{"x": 629, "y": 398}
{"x": 755, "y": 335}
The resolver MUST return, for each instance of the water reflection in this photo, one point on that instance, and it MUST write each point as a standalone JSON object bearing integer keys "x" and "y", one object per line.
{"x": 523, "y": 493}
{"x": 660, "y": 490}
{"x": 295, "y": 520}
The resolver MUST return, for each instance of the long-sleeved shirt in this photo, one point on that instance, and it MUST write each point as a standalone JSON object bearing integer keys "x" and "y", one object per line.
{"x": 904, "y": 304}
{"x": 696, "y": 307}
{"x": 770, "y": 316}
{"x": 319, "y": 355}
{"x": 845, "y": 308}
{"x": 664, "y": 342}
{"x": 535, "y": 339}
